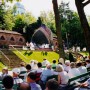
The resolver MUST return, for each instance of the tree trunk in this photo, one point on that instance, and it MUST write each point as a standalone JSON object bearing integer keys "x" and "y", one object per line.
{"x": 58, "y": 29}
{"x": 84, "y": 23}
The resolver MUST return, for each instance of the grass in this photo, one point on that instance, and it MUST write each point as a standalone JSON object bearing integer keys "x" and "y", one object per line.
{"x": 84, "y": 53}
{"x": 26, "y": 56}
{"x": 1, "y": 66}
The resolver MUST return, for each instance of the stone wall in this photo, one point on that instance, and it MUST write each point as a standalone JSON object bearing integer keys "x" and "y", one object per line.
{"x": 11, "y": 39}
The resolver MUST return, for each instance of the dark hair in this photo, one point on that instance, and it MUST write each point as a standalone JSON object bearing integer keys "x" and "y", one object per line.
{"x": 79, "y": 64}
{"x": 54, "y": 61}
{"x": 32, "y": 75}
{"x": 28, "y": 67}
{"x": 52, "y": 84}
{"x": 39, "y": 64}
{"x": 24, "y": 86}
{"x": 88, "y": 61}
{"x": 60, "y": 63}
{"x": 8, "y": 82}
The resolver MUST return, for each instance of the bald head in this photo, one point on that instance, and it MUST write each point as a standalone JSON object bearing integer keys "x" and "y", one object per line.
{"x": 24, "y": 86}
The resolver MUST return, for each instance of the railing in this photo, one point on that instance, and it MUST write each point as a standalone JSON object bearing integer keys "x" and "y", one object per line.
{"x": 19, "y": 52}
{"x": 6, "y": 58}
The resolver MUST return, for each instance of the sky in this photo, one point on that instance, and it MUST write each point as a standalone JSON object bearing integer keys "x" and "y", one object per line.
{"x": 36, "y": 6}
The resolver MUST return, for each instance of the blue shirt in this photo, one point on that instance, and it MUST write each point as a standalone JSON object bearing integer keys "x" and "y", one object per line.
{"x": 45, "y": 74}
{"x": 35, "y": 86}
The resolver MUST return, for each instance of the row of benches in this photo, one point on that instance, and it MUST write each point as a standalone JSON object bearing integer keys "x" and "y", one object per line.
{"x": 72, "y": 81}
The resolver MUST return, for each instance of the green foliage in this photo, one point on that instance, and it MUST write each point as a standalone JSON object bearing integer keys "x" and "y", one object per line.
{"x": 49, "y": 20}
{"x": 31, "y": 28}
{"x": 71, "y": 27}
{"x": 8, "y": 19}
{"x": 2, "y": 12}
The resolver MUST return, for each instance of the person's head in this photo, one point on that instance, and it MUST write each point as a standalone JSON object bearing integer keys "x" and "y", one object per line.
{"x": 59, "y": 68}
{"x": 52, "y": 85}
{"x": 24, "y": 86}
{"x": 39, "y": 65}
{"x": 31, "y": 77}
{"x": 44, "y": 59}
{"x": 61, "y": 60}
{"x": 22, "y": 64}
{"x": 8, "y": 82}
{"x": 87, "y": 61}
{"x": 79, "y": 64}
{"x": 48, "y": 66}
{"x": 16, "y": 72}
{"x": 67, "y": 63}
{"x": 5, "y": 70}
{"x": 54, "y": 61}
{"x": 28, "y": 67}
{"x": 72, "y": 65}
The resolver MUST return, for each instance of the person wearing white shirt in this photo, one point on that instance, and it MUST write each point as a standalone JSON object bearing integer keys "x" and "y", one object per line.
{"x": 67, "y": 66}
{"x": 73, "y": 72}
{"x": 45, "y": 62}
{"x": 81, "y": 68}
{"x": 16, "y": 72}
{"x": 39, "y": 70}
{"x": 88, "y": 63}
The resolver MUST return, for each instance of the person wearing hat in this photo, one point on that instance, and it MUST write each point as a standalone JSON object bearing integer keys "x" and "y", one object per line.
{"x": 4, "y": 73}
{"x": 16, "y": 72}
{"x": 22, "y": 70}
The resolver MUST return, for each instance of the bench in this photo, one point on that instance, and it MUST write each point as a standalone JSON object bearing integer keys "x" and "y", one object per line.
{"x": 22, "y": 74}
{"x": 81, "y": 78}
{"x": 72, "y": 81}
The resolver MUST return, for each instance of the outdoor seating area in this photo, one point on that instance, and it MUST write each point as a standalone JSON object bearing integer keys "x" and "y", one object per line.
{"x": 68, "y": 76}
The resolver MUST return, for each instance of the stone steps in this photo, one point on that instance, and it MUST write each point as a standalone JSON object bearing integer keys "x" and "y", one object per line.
{"x": 14, "y": 60}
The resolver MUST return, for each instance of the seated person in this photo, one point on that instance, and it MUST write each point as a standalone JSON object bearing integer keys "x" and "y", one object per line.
{"x": 4, "y": 73}
{"x": 31, "y": 77}
{"x": 16, "y": 72}
{"x": 24, "y": 86}
{"x": 62, "y": 75}
{"x": 54, "y": 63}
{"x": 52, "y": 85}
{"x": 81, "y": 68}
{"x": 39, "y": 70}
{"x": 8, "y": 82}
{"x": 45, "y": 62}
{"x": 73, "y": 72}
{"x": 28, "y": 68}
{"x": 67, "y": 66}
{"x": 22, "y": 69}
{"x": 88, "y": 63}
{"x": 46, "y": 72}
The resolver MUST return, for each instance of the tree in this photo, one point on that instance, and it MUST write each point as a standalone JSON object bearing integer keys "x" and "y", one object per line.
{"x": 58, "y": 29}
{"x": 8, "y": 19}
{"x": 80, "y": 4}
{"x": 72, "y": 33}
{"x": 31, "y": 28}
{"x": 49, "y": 20}
{"x": 19, "y": 23}
{"x": 2, "y": 12}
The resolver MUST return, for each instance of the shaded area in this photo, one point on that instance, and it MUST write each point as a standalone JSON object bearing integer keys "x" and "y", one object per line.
{"x": 40, "y": 38}
{"x": 28, "y": 53}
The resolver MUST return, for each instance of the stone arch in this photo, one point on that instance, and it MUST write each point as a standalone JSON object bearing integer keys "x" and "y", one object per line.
{"x": 12, "y": 39}
{"x": 21, "y": 39}
{"x": 2, "y": 38}
{"x": 40, "y": 38}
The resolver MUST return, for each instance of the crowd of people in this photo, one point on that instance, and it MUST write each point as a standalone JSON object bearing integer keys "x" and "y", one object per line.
{"x": 33, "y": 76}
